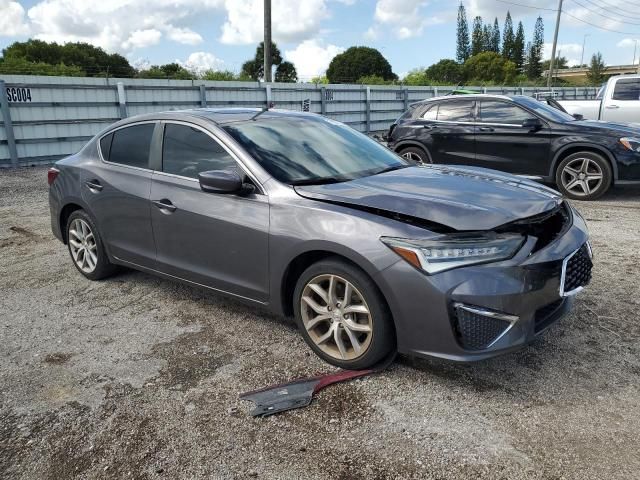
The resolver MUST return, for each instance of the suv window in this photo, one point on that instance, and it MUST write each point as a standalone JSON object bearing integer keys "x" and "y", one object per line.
{"x": 431, "y": 113}
{"x": 187, "y": 151}
{"x": 129, "y": 146}
{"x": 502, "y": 112}
{"x": 627, "y": 89}
{"x": 455, "y": 111}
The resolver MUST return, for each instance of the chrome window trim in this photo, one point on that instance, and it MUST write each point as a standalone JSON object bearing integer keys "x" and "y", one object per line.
{"x": 231, "y": 153}
{"x": 512, "y": 319}
{"x": 141, "y": 122}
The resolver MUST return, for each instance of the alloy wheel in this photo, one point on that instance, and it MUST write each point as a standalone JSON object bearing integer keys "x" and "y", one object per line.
{"x": 412, "y": 156}
{"x": 336, "y": 317}
{"x": 83, "y": 247}
{"x": 582, "y": 177}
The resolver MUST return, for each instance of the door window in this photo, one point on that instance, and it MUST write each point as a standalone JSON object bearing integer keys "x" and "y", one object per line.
{"x": 187, "y": 151}
{"x": 502, "y": 112}
{"x": 431, "y": 113}
{"x": 454, "y": 111}
{"x": 129, "y": 146}
{"x": 627, "y": 89}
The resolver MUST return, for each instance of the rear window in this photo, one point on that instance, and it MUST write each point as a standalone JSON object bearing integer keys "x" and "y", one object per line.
{"x": 455, "y": 111}
{"x": 129, "y": 146}
{"x": 627, "y": 89}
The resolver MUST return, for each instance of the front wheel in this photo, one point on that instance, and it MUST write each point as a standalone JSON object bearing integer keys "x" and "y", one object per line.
{"x": 342, "y": 315}
{"x": 584, "y": 176}
{"x": 415, "y": 155}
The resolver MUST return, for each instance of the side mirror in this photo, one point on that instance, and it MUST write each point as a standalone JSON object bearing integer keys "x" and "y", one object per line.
{"x": 223, "y": 182}
{"x": 578, "y": 116}
{"x": 533, "y": 124}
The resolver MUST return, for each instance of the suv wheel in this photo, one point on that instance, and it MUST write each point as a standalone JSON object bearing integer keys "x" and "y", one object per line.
{"x": 342, "y": 315}
{"x": 415, "y": 154}
{"x": 584, "y": 176}
{"x": 85, "y": 247}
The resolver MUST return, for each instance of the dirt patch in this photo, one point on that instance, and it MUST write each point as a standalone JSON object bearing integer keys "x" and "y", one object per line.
{"x": 57, "y": 358}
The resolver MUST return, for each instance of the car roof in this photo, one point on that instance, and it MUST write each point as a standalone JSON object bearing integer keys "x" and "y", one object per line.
{"x": 219, "y": 116}
{"x": 470, "y": 96}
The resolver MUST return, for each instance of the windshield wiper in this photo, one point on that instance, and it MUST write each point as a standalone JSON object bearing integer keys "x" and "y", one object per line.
{"x": 320, "y": 181}
{"x": 391, "y": 169}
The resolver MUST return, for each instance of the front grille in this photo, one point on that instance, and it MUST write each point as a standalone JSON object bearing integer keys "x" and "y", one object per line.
{"x": 577, "y": 272}
{"x": 545, "y": 227}
{"x": 477, "y": 332}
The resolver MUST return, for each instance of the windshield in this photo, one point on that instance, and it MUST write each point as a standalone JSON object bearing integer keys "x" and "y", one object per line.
{"x": 544, "y": 110}
{"x": 309, "y": 150}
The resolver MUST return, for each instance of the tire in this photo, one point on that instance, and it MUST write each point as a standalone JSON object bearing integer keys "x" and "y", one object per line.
{"x": 340, "y": 323}
{"x": 82, "y": 238}
{"x": 584, "y": 176}
{"x": 416, "y": 155}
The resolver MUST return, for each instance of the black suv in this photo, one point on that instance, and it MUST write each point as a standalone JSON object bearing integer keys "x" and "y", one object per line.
{"x": 520, "y": 135}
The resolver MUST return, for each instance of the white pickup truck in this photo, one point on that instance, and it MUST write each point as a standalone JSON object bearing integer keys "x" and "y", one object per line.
{"x": 618, "y": 100}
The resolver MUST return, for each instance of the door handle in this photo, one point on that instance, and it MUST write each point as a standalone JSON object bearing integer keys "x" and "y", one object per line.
{"x": 486, "y": 129}
{"x": 165, "y": 205}
{"x": 612, "y": 106}
{"x": 94, "y": 185}
{"x": 430, "y": 127}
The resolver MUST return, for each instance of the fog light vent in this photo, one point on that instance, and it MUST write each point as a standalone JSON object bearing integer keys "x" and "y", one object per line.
{"x": 478, "y": 328}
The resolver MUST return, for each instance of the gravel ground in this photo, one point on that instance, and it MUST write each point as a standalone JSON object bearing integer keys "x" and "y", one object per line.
{"x": 137, "y": 377}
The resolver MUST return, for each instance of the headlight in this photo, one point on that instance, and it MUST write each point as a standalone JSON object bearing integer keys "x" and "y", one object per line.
{"x": 451, "y": 251}
{"x": 631, "y": 143}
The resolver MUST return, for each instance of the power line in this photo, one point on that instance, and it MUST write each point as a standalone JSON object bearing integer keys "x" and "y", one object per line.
{"x": 608, "y": 6}
{"x": 528, "y": 6}
{"x": 602, "y": 14}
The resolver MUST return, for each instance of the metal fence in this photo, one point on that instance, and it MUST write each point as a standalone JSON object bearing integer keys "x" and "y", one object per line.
{"x": 47, "y": 118}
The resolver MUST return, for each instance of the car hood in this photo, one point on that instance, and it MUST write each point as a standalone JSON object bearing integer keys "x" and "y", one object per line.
{"x": 610, "y": 127}
{"x": 462, "y": 199}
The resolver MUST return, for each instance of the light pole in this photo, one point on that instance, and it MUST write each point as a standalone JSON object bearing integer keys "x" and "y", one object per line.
{"x": 583, "y": 42}
{"x": 267, "y": 40}
{"x": 555, "y": 42}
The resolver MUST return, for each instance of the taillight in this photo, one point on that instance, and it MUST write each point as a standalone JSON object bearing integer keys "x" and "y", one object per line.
{"x": 52, "y": 174}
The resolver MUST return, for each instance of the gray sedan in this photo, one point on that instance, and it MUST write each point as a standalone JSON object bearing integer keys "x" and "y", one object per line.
{"x": 311, "y": 219}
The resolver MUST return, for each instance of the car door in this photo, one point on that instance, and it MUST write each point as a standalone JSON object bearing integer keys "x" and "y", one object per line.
{"x": 117, "y": 189}
{"x": 502, "y": 143}
{"x": 622, "y": 102}
{"x": 216, "y": 240}
{"x": 448, "y": 133}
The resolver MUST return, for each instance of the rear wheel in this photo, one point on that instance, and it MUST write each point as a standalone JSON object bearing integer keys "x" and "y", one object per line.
{"x": 342, "y": 315}
{"x": 415, "y": 155}
{"x": 85, "y": 247}
{"x": 584, "y": 176}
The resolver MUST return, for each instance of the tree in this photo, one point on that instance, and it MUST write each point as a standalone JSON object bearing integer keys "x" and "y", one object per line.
{"x": 495, "y": 37}
{"x": 373, "y": 80}
{"x": 508, "y": 39}
{"x": 358, "y": 62}
{"x": 254, "y": 68}
{"x": 487, "y": 34}
{"x": 518, "y": 51}
{"x": 286, "y": 73}
{"x": 596, "y": 75}
{"x": 534, "y": 58}
{"x": 94, "y": 61}
{"x": 20, "y": 66}
{"x": 445, "y": 71}
{"x": 463, "y": 49}
{"x": 416, "y": 77}
{"x": 489, "y": 67}
{"x": 320, "y": 79}
{"x": 559, "y": 64}
{"x": 220, "y": 75}
{"x": 169, "y": 70}
{"x": 477, "y": 37}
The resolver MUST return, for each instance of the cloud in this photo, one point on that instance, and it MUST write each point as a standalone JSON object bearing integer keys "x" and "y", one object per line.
{"x": 118, "y": 25}
{"x": 201, "y": 62}
{"x": 142, "y": 38}
{"x": 562, "y": 49}
{"x": 12, "y": 20}
{"x": 627, "y": 42}
{"x": 312, "y": 57}
{"x": 405, "y": 18}
{"x": 291, "y": 21}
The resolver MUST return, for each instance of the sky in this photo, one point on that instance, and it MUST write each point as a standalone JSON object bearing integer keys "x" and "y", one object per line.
{"x": 222, "y": 34}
